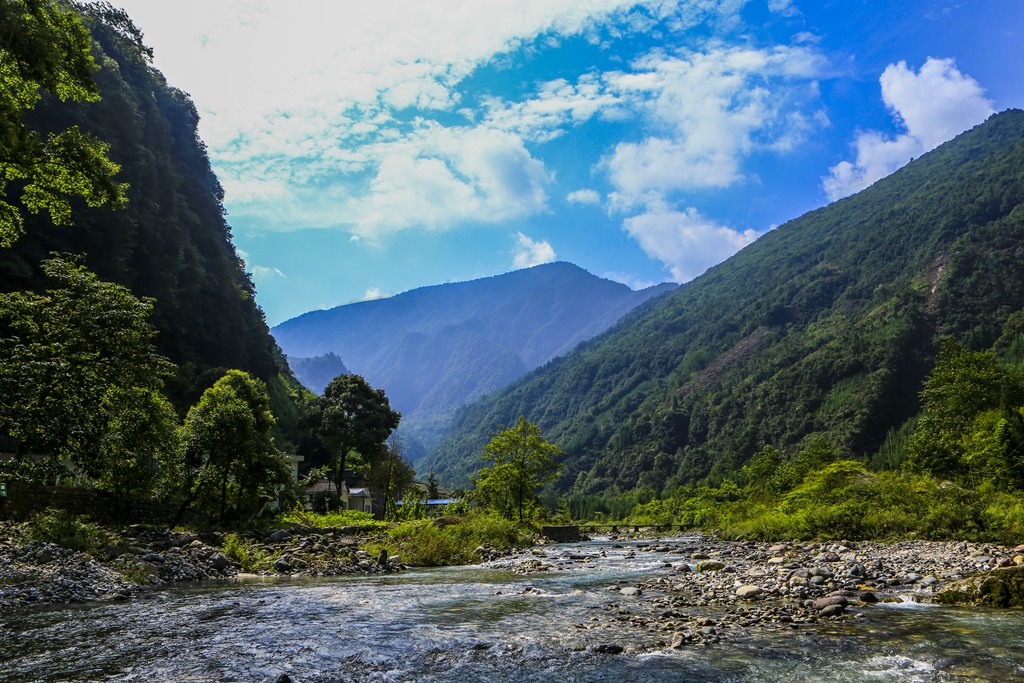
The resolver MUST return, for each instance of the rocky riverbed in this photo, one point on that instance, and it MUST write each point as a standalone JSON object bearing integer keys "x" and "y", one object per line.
{"x": 139, "y": 559}
{"x": 721, "y": 590}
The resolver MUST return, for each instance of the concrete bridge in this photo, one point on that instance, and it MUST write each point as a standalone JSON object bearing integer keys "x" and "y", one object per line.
{"x": 570, "y": 533}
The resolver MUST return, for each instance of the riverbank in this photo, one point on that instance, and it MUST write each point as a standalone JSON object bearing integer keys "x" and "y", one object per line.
{"x": 138, "y": 559}
{"x": 719, "y": 591}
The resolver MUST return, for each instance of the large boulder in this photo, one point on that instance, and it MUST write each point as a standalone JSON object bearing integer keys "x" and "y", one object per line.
{"x": 997, "y": 588}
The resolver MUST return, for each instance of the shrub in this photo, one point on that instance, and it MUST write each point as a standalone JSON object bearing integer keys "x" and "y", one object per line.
{"x": 67, "y": 530}
{"x": 248, "y": 554}
{"x": 453, "y": 540}
{"x": 337, "y": 518}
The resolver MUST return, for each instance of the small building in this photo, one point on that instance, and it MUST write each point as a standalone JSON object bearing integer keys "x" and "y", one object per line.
{"x": 358, "y": 498}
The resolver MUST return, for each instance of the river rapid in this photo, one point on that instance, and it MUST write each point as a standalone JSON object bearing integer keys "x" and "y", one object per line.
{"x": 482, "y": 624}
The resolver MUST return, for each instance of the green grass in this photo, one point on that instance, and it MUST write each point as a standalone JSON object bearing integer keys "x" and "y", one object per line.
{"x": 326, "y": 520}
{"x": 449, "y": 541}
{"x": 74, "y": 532}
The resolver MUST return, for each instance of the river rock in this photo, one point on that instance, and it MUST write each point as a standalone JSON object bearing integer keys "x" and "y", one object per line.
{"x": 279, "y": 536}
{"x": 749, "y": 592}
{"x": 832, "y": 611}
{"x": 830, "y": 601}
{"x": 609, "y": 648}
{"x": 997, "y": 588}
{"x": 710, "y": 566}
{"x": 630, "y": 591}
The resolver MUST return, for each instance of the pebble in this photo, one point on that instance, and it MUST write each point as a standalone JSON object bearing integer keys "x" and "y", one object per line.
{"x": 748, "y": 585}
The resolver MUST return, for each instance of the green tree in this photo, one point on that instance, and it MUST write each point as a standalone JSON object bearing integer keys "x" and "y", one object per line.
{"x": 74, "y": 362}
{"x": 141, "y": 433}
{"x": 390, "y": 476}
{"x": 352, "y": 417}
{"x": 44, "y": 48}
{"x": 523, "y": 461}
{"x": 963, "y": 386}
{"x": 227, "y": 444}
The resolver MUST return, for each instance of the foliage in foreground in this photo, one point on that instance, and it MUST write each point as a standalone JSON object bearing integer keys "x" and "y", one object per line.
{"x": 450, "y": 541}
{"x": 330, "y": 519}
{"x": 66, "y": 530}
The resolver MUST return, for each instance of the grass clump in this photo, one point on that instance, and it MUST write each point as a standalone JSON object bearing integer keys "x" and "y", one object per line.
{"x": 324, "y": 520}
{"x": 448, "y": 541}
{"x": 74, "y": 532}
{"x": 247, "y": 553}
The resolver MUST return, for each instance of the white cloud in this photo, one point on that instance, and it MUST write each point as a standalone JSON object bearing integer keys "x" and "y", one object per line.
{"x": 710, "y": 110}
{"x": 686, "y": 242}
{"x": 783, "y": 7}
{"x": 373, "y": 293}
{"x": 933, "y": 105}
{"x": 529, "y": 253}
{"x": 631, "y": 280}
{"x": 266, "y": 272}
{"x": 438, "y": 177}
{"x": 583, "y": 196}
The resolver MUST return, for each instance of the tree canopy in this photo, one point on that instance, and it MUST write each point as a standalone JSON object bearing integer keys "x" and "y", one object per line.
{"x": 352, "y": 416}
{"x": 227, "y": 444}
{"x": 47, "y": 50}
{"x": 523, "y": 461}
{"x": 75, "y": 359}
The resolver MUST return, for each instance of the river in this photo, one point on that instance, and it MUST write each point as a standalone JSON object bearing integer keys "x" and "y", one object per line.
{"x": 480, "y": 624}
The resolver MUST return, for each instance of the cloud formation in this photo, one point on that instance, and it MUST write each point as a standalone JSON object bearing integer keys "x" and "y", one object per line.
{"x": 584, "y": 196}
{"x": 686, "y": 242}
{"x": 710, "y": 110}
{"x": 529, "y": 253}
{"x": 933, "y": 105}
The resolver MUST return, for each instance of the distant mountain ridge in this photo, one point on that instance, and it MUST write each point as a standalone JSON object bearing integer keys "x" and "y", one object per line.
{"x": 435, "y": 348}
{"x": 823, "y": 328}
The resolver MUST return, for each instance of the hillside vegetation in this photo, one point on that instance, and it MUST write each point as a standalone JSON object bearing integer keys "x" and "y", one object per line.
{"x": 170, "y": 241}
{"x": 824, "y": 328}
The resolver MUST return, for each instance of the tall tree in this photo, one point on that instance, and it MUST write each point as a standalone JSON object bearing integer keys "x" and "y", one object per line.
{"x": 44, "y": 48}
{"x": 226, "y": 441}
{"x": 352, "y": 416}
{"x": 963, "y": 387}
{"x": 523, "y": 461}
{"x": 72, "y": 361}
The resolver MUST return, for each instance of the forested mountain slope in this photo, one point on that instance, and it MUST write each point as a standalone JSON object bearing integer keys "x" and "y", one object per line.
{"x": 435, "y": 348}
{"x": 826, "y": 325}
{"x": 171, "y": 242}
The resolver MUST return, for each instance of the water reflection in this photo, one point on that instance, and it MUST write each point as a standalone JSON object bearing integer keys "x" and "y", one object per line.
{"x": 471, "y": 624}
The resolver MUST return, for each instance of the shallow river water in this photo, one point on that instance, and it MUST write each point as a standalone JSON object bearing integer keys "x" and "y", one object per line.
{"x": 478, "y": 624}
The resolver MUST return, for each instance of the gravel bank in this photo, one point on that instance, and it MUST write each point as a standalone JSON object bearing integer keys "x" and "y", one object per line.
{"x": 720, "y": 590}
{"x": 142, "y": 558}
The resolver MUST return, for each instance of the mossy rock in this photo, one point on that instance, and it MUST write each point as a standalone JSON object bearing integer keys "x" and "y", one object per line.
{"x": 710, "y": 566}
{"x": 998, "y": 588}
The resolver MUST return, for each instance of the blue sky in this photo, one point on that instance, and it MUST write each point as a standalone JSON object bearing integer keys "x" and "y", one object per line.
{"x": 370, "y": 148}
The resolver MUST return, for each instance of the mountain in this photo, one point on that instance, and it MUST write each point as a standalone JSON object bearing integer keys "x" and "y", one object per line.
{"x": 435, "y": 348}
{"x": 171, "y": 242}
{"x": 825, "y": 326}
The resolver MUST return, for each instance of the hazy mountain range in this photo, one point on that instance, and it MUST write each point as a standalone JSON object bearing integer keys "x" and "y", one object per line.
{"x": 436, "y": 348}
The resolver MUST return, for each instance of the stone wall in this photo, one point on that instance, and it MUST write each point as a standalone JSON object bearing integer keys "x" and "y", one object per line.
{"x": 23, "y": 500}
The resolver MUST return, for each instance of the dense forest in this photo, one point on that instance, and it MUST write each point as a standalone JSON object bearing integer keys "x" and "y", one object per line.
{"x": 170, "y": 241}
{"x": 822, "y": 331}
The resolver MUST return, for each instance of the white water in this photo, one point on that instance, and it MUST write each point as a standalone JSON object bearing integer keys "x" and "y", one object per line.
{"x": 477, "y": 624}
